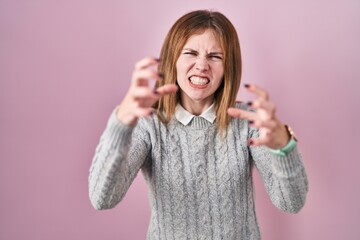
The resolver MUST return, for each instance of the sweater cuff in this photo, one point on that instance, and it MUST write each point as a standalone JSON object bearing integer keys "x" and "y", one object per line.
{"x": 287, "y": 165}
{"x": 116, "y": 131}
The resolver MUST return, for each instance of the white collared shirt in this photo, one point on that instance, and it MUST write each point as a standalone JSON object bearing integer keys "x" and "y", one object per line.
{"x": 185, "y": 117}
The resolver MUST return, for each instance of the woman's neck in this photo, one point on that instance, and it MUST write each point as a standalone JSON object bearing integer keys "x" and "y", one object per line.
{"x": 196, "y": 107}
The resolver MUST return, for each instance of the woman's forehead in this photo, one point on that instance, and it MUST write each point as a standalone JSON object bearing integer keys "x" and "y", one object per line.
{"x": 194, "y": 38}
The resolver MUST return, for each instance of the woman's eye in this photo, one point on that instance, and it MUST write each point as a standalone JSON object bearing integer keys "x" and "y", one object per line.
{"x": 190, "y": 53}
{"x": 215, "y": 57}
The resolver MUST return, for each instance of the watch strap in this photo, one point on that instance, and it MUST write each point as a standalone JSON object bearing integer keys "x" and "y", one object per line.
{"x": 289, "y": 146}
{"x": 286, "y": 149}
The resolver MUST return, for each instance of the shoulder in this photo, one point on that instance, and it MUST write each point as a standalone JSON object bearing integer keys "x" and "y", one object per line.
{"x": 149, "y": 122}
{"x": 241, "y": 106}
{"x": 240, "y": 127}
{"x": 151, "y": 125}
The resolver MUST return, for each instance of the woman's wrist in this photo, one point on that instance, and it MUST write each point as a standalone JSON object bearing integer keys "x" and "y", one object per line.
{"x": 126, "y": 117}
{"x": 280, "y": 138}
{"x": 290, "y": 145}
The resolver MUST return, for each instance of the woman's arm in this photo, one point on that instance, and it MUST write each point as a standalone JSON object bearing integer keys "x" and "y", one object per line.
{"x": 116, "y": 162}
{"x": 283, "y": 174}
{"x": 124, "y": 146}
{"x": 284, "y": 177}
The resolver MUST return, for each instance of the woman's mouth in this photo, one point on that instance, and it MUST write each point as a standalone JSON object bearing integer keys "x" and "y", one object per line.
{"x": 198, "y": 81}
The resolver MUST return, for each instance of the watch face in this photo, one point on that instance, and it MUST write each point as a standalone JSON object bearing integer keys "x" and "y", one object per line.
{"x": 291, "y": 132}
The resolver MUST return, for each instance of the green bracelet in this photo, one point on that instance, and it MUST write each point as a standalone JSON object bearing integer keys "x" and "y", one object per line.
{"x": 286, "y": 149}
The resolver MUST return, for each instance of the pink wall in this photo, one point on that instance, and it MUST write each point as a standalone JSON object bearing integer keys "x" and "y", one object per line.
{"x": 64, "y": 65}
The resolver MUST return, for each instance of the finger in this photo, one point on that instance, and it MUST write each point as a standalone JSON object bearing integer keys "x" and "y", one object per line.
{"x": 147, "y": 97}
{"x": 166, "y": 89}
{"x": 263, "y": 124}
{"x": 257, "y": 142}
{"x": 260, "y": 92}
{"x": 146, "y": 62}
{"x": 267, "y": 106}
{"x": 239, "y": 113}
{"x": 143, "y": 92}
{"x": 141, "y": 77}
{"x": 234, "y": 112}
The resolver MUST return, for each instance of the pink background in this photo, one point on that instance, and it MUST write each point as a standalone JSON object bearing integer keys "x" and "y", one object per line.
{"x": 64, "y": 65}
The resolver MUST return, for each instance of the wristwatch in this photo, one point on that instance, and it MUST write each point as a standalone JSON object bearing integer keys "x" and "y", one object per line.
{"x": 288, "y": 147}
{"x": 291, "y": 132}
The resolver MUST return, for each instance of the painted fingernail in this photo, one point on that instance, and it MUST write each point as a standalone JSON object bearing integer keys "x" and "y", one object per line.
{"x": 157, "y": 59}
{"x": 251, "y": 142}
{"x": 249, "y": 104}
{"x": 246, "y": 85}
{"x": 161, "y": 75}
{"x": 251, "y": 121}
{"x": 156, "y": 92}
{"x": 151, "y": 112}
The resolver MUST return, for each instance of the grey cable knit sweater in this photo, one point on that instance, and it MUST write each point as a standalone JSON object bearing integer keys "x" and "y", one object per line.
{"x": 200, "y": 185}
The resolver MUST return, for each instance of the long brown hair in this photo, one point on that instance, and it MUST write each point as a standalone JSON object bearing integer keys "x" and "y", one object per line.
{"x": 196, "y": 22}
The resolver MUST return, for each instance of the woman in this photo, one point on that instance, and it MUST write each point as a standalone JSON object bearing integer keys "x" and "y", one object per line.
{"x": 194, "y": 144}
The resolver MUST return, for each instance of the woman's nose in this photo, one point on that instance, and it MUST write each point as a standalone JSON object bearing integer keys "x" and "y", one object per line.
{"x": 202, "y": 64}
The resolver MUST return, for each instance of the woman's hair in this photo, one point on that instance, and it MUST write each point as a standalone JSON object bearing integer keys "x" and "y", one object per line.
{"x": 196, "y": 22}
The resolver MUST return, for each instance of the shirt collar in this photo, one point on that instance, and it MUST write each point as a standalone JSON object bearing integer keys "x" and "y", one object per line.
{"x": 185, "y": 117}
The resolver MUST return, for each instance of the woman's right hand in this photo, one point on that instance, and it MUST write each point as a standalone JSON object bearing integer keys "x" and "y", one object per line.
{"x": 140, "y": 96}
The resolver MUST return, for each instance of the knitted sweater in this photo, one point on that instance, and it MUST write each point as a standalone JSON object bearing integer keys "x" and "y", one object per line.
{"x": 200, "y": 183}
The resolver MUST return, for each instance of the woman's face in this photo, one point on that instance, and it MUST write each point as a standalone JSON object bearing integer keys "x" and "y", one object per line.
{"x": 200, "y": 69}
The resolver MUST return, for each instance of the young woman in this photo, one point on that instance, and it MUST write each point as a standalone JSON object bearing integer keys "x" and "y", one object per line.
{"x": 195, "y": 145}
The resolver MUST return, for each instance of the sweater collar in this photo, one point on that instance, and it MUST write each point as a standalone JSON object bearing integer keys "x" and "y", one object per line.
{"x": 185, "y": 117}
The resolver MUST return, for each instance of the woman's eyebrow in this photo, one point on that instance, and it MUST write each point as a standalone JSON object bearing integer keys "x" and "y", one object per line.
{"x": 216, "y": 53}
{"x": 189, "y": 49}
{"x": 192, "y": 50}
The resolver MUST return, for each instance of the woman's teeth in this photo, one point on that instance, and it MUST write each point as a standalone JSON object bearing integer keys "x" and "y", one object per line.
{"x": 199, "y": 80}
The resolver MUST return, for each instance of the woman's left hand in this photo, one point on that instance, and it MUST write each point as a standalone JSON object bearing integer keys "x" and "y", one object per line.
{"x": 272, "y": 133}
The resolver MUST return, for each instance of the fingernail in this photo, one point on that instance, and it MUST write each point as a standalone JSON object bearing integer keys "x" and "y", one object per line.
{"x": 251, "y": 121}
{"x": 246, "y": 85}
{"x": 157, "y": 59}
{"x": 249, "y": 104}
{"x": 156, "y": 92}
{"x": 251, "y": 142}
{"x": 151, "y": 113}
{"x": 161, "y": 75}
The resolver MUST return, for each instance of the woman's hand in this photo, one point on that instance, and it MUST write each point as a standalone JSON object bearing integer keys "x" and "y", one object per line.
{"x": 272, "y": 133}
{"x": 140, "y": 96}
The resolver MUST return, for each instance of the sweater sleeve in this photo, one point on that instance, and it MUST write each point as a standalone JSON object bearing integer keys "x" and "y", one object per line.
{"x": 284, "y": 176}
{"x": 119, "y": 155}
